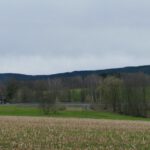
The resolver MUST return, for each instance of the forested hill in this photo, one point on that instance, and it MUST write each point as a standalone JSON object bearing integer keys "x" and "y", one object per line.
{"x": 8, "y": 76}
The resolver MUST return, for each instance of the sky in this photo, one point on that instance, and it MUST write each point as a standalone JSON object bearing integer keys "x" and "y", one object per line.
{"x": 53, "y": 36}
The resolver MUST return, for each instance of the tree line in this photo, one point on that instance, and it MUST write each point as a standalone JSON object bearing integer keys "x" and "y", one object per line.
{"x": 121, "y": 93}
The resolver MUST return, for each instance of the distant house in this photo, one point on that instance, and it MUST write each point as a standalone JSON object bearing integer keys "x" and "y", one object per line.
{"x": 2, "y": 94}
{"x": 2, "y": 99}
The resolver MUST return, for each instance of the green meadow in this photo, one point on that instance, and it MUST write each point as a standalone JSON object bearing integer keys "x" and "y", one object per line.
{"x": 35, "y": 111}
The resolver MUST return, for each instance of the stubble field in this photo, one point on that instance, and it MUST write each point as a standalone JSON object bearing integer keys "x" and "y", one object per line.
{"x": 35, "y": 133}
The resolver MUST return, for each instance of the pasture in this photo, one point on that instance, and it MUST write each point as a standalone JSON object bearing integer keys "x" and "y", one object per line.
{"x": 15, "y": 110}
{"x": 36, "y": 133}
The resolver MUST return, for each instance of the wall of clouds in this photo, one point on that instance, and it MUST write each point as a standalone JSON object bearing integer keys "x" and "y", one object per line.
{"x": 56, "y": 36}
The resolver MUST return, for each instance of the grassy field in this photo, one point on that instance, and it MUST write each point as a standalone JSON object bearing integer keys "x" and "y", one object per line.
{"x": 71, "y": 130}
{"x": 33, "y": 111}
{"x": 41, "y": 133}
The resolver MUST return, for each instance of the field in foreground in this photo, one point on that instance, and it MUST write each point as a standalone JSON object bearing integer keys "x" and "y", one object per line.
{"x": 35, "y": 133}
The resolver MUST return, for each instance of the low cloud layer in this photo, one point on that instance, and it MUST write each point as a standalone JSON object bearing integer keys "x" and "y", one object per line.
{"x": 45, "y": 37}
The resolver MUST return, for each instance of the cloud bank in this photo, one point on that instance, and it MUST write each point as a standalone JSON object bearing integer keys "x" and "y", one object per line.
{"x": 45, "y": 37}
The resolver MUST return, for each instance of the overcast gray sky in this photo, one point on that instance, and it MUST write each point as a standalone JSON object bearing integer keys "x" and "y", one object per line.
{"x": 51, "y": 36}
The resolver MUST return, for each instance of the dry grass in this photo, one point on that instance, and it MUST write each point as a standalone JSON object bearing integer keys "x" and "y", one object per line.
{"x": 29, "y": 133}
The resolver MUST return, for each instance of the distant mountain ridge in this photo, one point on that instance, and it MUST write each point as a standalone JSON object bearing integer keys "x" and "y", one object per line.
{"x": 134, "y": 69}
